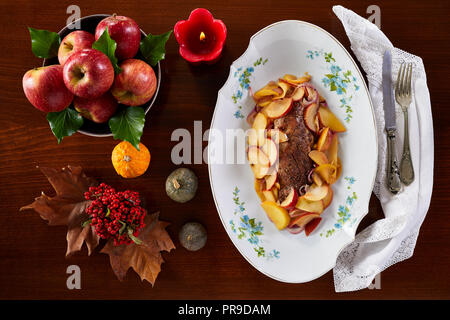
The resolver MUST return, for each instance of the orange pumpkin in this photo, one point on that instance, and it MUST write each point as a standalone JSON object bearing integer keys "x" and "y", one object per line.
{"x": 130, "y": 162}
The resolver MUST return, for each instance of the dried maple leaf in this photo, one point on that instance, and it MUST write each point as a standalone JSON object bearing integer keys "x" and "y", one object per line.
{"x": 144, "y": 258}
{"x": 68, "y": 206}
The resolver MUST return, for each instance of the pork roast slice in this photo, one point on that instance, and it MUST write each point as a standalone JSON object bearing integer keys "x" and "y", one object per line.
{"x": 294, "y": 162}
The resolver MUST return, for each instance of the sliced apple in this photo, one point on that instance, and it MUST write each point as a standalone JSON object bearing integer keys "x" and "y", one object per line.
{"x": 310, "y": 116}
{"x": 327, "y": 172}
{"x": 277, "y": 185}
{"x": 309, "y": 206}
{"x": 264, "y": 101}
{"x": 333, "y": 149}
{"x": 259, "y": 171}
{"x": 270, "y": 149}
{"x": 298, "y": 94}
{"x": 252, "y": 137}
{"x": 251, "y": 116}
{"x": 312, "y": 225}
{"x": 295, "y": 229}
{"x": 317, "y": 179}
{"x": 279, "y": 216}
{"x": 260, "y": 124}
{"x": 270, "y": 181}
{"x": 328, "y": 119}
{"x": 275, "y": 192}
{"x": 339, "y": 168}
{"x": 324, "y": 141}
{"x": 289, "y": 77}
{"x": 256, "y": 155}
{"x": 316, "y": 193}
{"x": 259, "y": 189}
{"x": 268, "y": 90}
{"x": 329, "y": 197}
{"x": 277, "y": 135}
{"x": 291, "y": 199}
{"x": 269, "y": 195}
{"x": 303, "y": 220}
{"x": 278, "y": 108}
{"x": 318, "y": 157}
{"x": 284, "y": 87}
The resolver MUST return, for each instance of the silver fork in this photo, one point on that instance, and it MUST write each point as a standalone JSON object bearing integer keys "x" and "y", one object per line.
{"x": 403, "y": 97}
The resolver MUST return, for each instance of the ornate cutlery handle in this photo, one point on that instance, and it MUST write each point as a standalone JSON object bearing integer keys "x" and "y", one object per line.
{"x": 393, "y": 181}
{"x": 406, "y": 166}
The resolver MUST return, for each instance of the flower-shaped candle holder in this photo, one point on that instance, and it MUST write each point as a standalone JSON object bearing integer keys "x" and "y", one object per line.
{"x": 201, "y": 37}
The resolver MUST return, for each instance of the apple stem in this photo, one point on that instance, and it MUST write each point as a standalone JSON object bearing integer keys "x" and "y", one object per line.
{"x": 176, "y": 184}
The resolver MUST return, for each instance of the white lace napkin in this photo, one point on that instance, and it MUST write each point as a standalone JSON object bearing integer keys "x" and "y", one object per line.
{"x": 392, "y": 239}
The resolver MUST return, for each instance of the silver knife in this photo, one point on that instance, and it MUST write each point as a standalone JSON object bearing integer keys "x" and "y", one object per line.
{"x": 392, "y": 177}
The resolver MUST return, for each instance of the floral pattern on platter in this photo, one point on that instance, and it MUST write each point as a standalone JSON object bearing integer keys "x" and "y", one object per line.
{"x": 344, "y": 209}
{"x": 343, "y": 83}
{"x": 248, "y": 228}
{"x": 244, "y": 78}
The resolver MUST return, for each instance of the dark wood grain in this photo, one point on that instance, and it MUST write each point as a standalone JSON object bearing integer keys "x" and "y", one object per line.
{"x": 32, "y": 263}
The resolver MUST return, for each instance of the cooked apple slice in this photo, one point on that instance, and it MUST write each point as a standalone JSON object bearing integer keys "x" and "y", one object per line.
{"x": 291, "y": 199}
{"x": 304, "y": 219}
{"x": 251, "y": 116}
{"x": 279, "y": 216}
{"x": 275, "y": 192}
{"x": 270, "y": 149}
{"x": 277, "y": 185}
{"x": 260, "y": 124}
{"x": 324, "y": 141}
{"x": 329, "y": 197}
{"x": 278, "y": 108}
{"x": 289, "y": 77}
{"x": 259, "y": 171}
{"x": 259, "y": 189}
{"x": 339, "y": 168}
{"x": 318, "y": 157}
{"x": 252, "y": 137}
{"x": 298, "y": 94}
{"x": 309, "y": 206}
{"x": 327, "y": 172}
{"x": 277, "y": 135}
{"x": 328, "y": 119}
{"x": 269, "y": 89}
{"x": 333, "y": 149}
{"x": 264, "y": 101}
{"x": 316, "y": 193}
{"x": 270, "y": 181}
{"x": 269, "y": 195}
{"x": 312, "y": 225}
{"x": 310, "y": 116}
{"x": 317, "y": 179}
{"x": 295, "y": 229}
{"x": 256, "y": 155}
{"x": 285, "y": 89}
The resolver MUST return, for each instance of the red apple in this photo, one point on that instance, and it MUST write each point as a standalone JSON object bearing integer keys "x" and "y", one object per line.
{"x": 125, "y": 31}
{"x": 98, "y": 109}
{"x": 88, "y": 73}
{"x": 44, "y": 88}
{"x": 74, "y": 41}
{"x": 136, "y": 84}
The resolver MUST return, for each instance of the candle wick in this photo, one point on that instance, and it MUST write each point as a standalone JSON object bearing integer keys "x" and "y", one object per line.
{"x": 202, "y": 36}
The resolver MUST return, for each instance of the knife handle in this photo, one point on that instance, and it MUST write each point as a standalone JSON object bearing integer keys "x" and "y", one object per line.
{"x": 392, "y": 178}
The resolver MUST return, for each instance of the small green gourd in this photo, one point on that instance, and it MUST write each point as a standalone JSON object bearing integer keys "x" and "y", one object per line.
{"x": 181, "y": 185}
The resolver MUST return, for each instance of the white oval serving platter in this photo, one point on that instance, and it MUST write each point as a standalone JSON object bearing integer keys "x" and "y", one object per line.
{"x": 294, "y": 47}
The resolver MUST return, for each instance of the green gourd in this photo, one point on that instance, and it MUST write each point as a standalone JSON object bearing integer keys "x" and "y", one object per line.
{"x": 192, "y": 236}
{"x": 181, "y": 185}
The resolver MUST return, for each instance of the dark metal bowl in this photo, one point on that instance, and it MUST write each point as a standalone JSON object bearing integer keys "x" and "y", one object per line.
{"x": 90, "y": 128}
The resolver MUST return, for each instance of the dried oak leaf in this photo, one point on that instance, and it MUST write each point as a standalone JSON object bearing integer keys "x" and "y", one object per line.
{"x": 144, "y": 258}
{"x": 68, "y": 206}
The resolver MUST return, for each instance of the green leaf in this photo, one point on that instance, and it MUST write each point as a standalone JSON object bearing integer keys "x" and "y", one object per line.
{"x": 64, "y": 123}
{"x": 108, "y": 46}
{"x": 44, "y": 44}
{"x": 333, "y": 86}
{"x": 153, "y": 47}
{"x": 128, "y": 125}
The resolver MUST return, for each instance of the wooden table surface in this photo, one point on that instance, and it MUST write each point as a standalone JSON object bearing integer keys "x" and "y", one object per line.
{"x": 32, "y": 262}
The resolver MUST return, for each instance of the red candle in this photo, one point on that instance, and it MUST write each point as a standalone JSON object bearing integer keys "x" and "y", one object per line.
{"x": 201, "y": 37}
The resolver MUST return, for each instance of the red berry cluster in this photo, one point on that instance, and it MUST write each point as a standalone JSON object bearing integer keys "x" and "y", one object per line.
{"x": 116, "y": 215}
